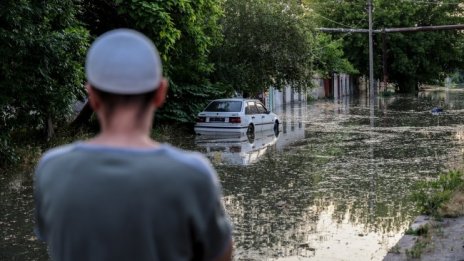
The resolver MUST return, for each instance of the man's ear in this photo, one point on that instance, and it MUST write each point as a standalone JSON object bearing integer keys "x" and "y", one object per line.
{"x": 160, "y": 94}
{"x": 93, "y": 98}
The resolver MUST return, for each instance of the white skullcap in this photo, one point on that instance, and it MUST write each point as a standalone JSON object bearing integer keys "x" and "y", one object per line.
{"x": 123, "y": 61}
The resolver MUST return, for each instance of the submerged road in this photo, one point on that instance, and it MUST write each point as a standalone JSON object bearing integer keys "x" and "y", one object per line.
{"x": 331, "y": 186}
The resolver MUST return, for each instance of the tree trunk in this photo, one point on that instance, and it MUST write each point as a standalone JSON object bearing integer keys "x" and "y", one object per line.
{"x": 50, "y": 129}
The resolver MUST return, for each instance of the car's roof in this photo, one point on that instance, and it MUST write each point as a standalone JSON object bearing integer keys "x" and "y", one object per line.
{"x": 235, "y": 99}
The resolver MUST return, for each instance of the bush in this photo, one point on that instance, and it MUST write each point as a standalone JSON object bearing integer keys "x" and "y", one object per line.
{"x": 42, "y": 48}
{"x": 184, "y": 102}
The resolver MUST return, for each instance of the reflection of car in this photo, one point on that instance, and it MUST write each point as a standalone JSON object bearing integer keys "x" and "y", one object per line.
{"x": 235, "y": 116}
{"x": 234, "y": 150}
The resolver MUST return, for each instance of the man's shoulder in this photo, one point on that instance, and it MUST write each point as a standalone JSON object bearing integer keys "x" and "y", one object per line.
{"x": 55, "y": 153}
{"x": 194, "y": 160}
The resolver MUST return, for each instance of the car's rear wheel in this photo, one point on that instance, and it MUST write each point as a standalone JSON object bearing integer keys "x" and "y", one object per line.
{"x": 251, "y": 129}
{"x": 276, "y": 127}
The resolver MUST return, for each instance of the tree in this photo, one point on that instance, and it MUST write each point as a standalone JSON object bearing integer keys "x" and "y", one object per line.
{"x": 330, "y": 58}
{"x": 42, "y": 46}
{"x": 413, "y": 58}
{"x": 266, "y": 43}
{"x": 184, "y": 32}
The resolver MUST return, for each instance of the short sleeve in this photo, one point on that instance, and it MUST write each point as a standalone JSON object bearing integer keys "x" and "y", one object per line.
{"x": 38, "y": 228}
{"x": 212, "y": 231}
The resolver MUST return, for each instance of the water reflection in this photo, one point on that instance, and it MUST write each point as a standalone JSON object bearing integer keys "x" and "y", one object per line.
{"x": 245, "y": 150}
{"x": 236, "y": 150}
{"x": 338, "y": 187}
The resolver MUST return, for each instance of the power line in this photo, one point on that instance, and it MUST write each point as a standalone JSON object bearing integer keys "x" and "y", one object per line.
{"x": 334, "y": 2}
{"x": 341, "y": 37}
{"x": 430, "y": 2}
{"x": 394, "y": 30}
{"x": 328, "y": 19}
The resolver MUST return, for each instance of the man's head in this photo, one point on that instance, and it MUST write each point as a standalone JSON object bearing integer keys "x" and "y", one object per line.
{"x": 124, "y": 71}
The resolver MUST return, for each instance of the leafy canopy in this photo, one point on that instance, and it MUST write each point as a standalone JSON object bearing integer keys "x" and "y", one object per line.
{"x": 273, "y": 43}
{"x": 184, "y": 32}
{"x": 266, "y": 43}
{"x": 42, "y": 46}
{"x": 412, "y": 58}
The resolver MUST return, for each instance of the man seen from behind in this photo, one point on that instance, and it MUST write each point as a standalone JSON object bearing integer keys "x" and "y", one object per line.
{"x": 122, "y": 195}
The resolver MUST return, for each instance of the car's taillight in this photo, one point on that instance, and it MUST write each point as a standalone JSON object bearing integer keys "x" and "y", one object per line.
{"x": 201, "y": 119}
{"x": 235, "y": 120}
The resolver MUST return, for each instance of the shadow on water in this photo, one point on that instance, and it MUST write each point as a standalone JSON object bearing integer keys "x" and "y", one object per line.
{"x": 333, "y": 185}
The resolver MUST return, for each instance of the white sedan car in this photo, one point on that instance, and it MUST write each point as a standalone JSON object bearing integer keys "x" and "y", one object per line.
{"x": 235, "y": 116}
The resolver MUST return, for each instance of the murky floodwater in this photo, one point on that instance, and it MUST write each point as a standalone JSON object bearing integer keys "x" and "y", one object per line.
{"x": 329, "y": 187}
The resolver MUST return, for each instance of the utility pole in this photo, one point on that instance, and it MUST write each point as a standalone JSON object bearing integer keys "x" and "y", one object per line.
{"x": 373, "y": 183}
{"x": 371, "y": 54}
{"x": 384, "y": 60}
{"x": 395, "y": 30}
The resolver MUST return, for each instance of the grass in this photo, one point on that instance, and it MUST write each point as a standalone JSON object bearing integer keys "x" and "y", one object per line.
{"x": 423, "y": 242}
{"x": 424, "y": 236}
{"x": 395, "y": 249}
{"x": 417, "y": 250}
{"x": 455, "y": 206}
{"x": 423, "y": 230}
{"x": 442, "y": 197}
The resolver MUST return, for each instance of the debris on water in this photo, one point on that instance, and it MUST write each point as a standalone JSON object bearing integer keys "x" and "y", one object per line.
{"x": 437, "y": 111}
{"x": 307, "y": 247}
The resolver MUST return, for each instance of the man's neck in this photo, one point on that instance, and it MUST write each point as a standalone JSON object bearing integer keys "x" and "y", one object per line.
{"x": 125, "y": 130}
{"x": 122, "y": 140}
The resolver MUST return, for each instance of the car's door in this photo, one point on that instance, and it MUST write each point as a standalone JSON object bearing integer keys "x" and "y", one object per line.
{"x": 252, "y": 112}
{"x": 267, "y": 122}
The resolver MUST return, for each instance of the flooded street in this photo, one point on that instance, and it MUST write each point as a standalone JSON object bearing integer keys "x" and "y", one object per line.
{"x": 333, "y": 185}
{"x": 333, "y": 188}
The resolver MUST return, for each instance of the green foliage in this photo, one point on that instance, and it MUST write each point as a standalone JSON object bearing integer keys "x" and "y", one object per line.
{"x": 266, "y": 43}
{"x": 417, "y": 250}
{"x": 431, "y": 195}
{"x": 396, "y": 249}
{"x": 457, "y": 78}
{"x": 423, "y": 230}
{"x": 184, "y": 102}
{"x": 42, "y": 46}
{"x": 413, "y": 58}
{"x": 184, "y": 32}
{"x": 7, "y": 151}
{"x": 329, "y": 56}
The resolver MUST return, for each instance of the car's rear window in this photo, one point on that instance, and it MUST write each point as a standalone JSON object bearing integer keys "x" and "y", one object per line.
{"x": 225, "y": 106}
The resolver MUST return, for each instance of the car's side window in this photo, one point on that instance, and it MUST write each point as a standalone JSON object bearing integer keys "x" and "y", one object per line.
{"x": 248, "y": 109}
{"x": 251, "y": 108}
{"x": 261, "y": 108}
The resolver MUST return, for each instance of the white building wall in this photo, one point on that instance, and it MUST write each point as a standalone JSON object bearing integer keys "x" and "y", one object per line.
{"x": 342, "y": 86}
{"x": 287, "y": 95}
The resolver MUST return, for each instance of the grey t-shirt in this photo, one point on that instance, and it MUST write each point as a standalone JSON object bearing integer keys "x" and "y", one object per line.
{"x": 101, "y": 203}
